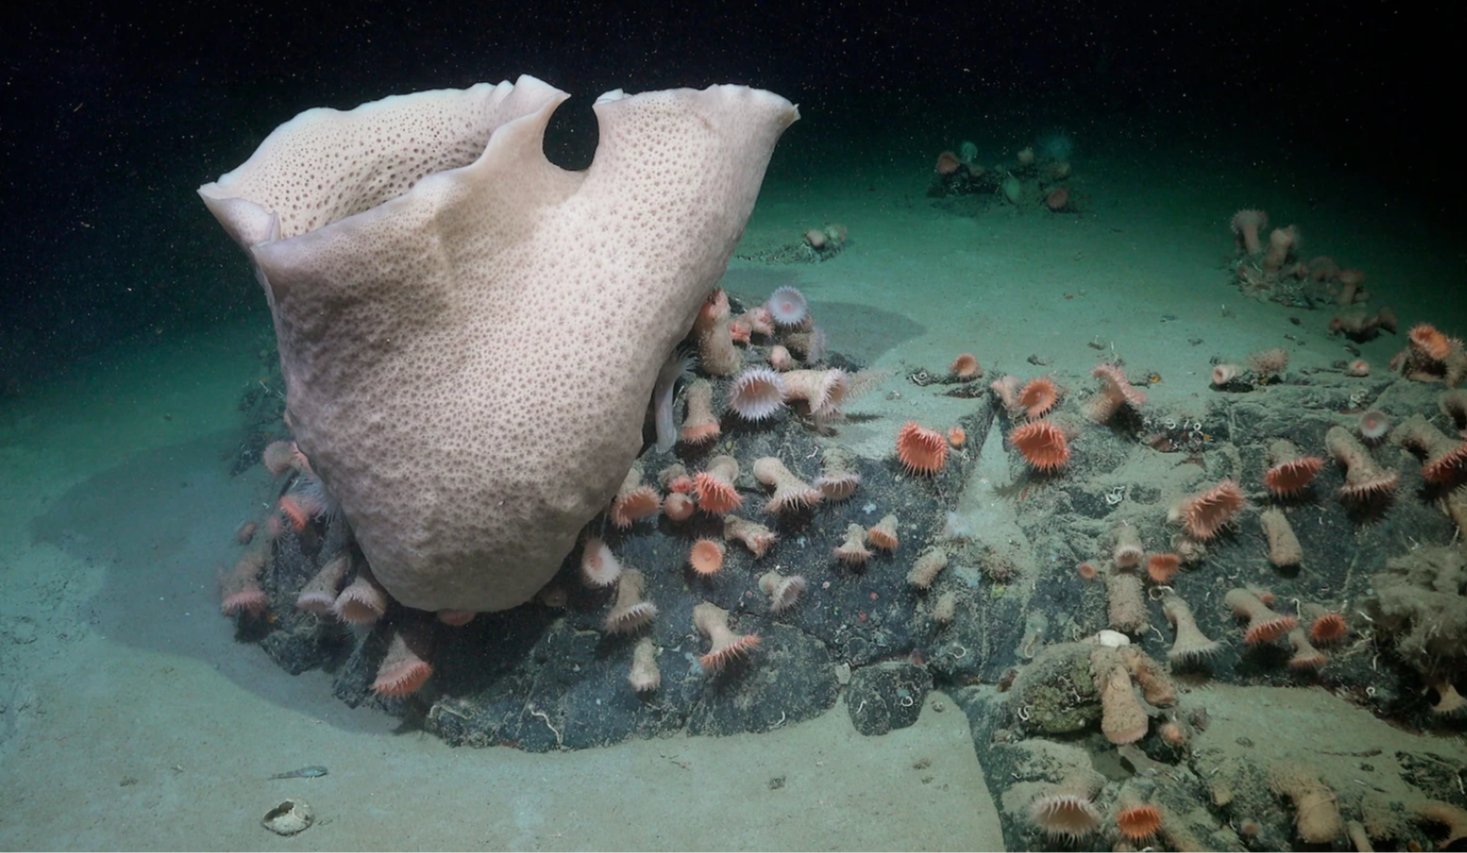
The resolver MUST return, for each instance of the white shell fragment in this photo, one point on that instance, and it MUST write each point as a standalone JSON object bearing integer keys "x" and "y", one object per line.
{"x": 290, "y": 817}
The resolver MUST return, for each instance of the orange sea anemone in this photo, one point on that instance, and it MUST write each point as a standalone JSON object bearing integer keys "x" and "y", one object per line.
{"x": 1138, "y": 822}
{"x": 1432, "y": 343}
{"x": 634, "y": 500}
{"x": 1086, "y": 571}
{"x": 1038, "y": 397}
{"x": 456, "y": 618}
{"x": 701, "y": 424}
{"x": 921, "y": 450}
{"x": 1042, "y": 444}
{"x": 1290, "y": 471}
{"x": 957, "y": 436}
{"x": 948, "y": 163}
{"x": 965, "y": 367}
{"x": 1365, "y": 480}
{"x": 1161, "y": 567}
{"x": 706, "y": 557}
{"x": 883, "y": 534}
{"x": 852, "y": 551}
{"x": 1328, "y": 628}
{"x": 1203, "y": 515}
{"x": 1445, "y": 457}
{"x": 712, "y": 622}
{"x": 714, "y": 487}
{"x": 1264, "y": 624}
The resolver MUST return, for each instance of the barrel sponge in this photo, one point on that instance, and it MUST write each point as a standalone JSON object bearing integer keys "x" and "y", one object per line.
{"x": 469, "y": 334}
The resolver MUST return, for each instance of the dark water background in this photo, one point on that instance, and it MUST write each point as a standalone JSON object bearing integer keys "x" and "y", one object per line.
{"x": 110, "y": 117}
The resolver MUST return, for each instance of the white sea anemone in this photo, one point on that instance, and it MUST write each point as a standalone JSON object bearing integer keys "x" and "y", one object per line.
{"x": 788, "y": 307}
{"x": 757, "y": 393}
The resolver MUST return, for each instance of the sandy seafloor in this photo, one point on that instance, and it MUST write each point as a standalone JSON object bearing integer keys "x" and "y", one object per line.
{"x": 130, "y": 718}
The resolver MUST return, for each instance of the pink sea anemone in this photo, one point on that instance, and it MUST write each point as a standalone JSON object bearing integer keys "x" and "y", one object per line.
{"x": 678, "y": 507}
{"x": 755, "y": 536}
{"x": 239, "y": 588}
{"x": 319, "y": 593}
{"x": 1280, "y": 243}
{"x": 630, "y": 612}
{"x": 780, "y": 358}
{"x": 1246, "y": 224}
{"x": 783, "y": 591}
{"x": 1115, "y": 391}
{"x": 757, "y": 394}
{"x": 791, "y": 494}
{"x": 965, "y": 367}
{"x": 363, "y": 601}
{"x": 278, "y": 457}
{"x": 1065, "y": 815}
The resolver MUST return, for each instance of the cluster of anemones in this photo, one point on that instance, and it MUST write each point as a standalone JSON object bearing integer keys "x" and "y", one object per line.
{"x": 1260, "y": 266}
{"x": 782, "y": 334}
{"x": 1431, "y": 356}
{"x": 342, "y": 589}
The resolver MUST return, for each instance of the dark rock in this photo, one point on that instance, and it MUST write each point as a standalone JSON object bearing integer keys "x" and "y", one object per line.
{"x": 887, "y": 696}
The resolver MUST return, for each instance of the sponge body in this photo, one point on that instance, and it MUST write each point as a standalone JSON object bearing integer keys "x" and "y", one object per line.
{"x": 469, "y": 334}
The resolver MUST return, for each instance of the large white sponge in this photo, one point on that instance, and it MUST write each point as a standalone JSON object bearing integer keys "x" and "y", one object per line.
{"x": 470, "y": 334}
